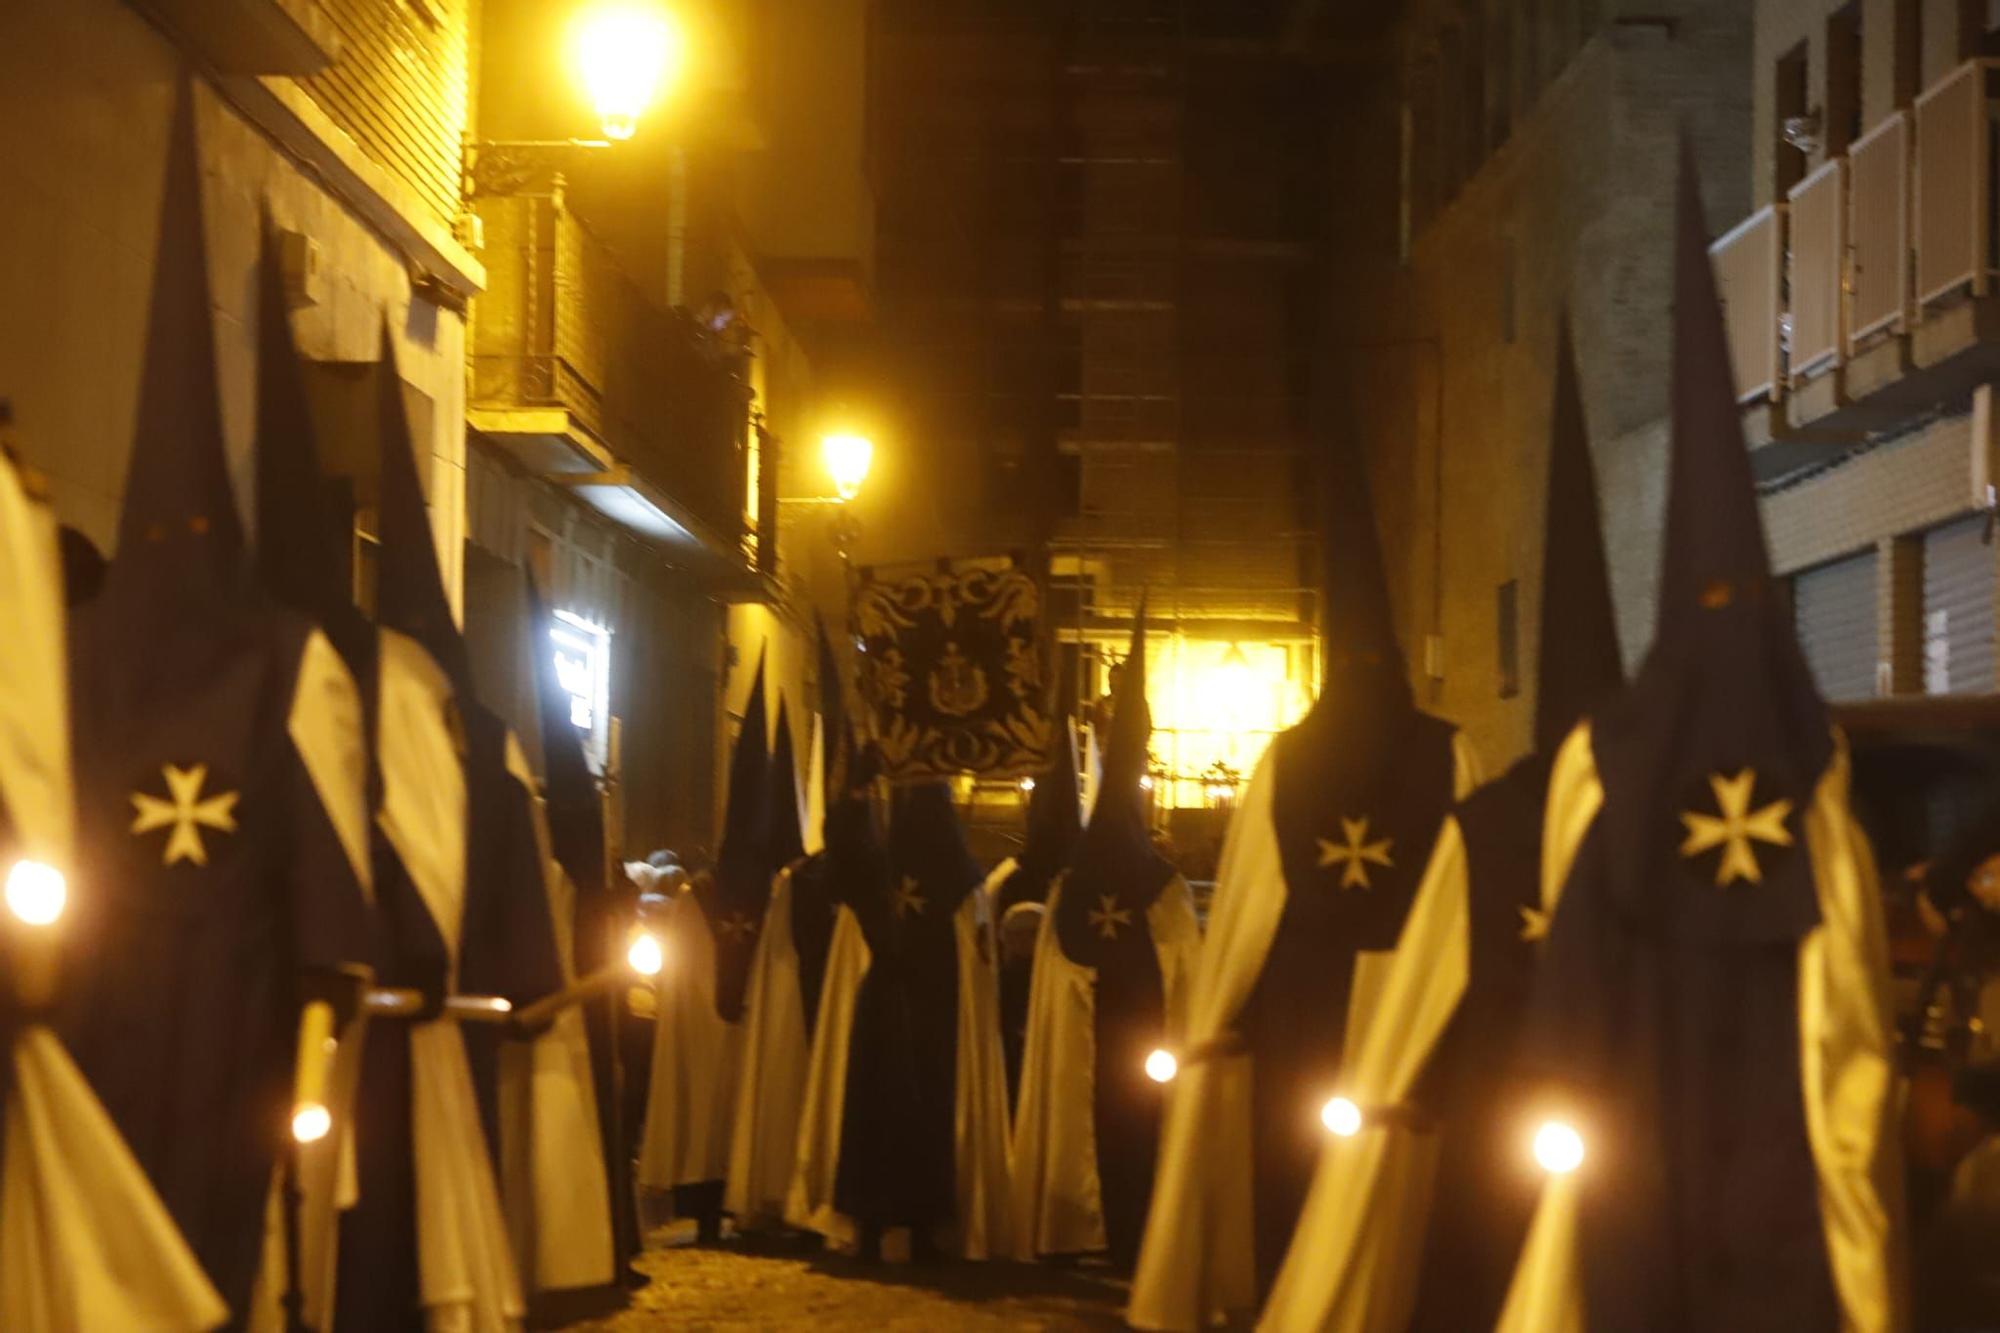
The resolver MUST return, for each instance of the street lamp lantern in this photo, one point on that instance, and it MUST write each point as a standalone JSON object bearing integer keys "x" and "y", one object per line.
{"x": 847, "y": 457}
{"x": 625, "y": 52}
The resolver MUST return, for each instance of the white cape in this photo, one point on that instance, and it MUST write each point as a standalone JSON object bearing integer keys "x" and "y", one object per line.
{"x": 771, "y": 1087}
{"x": 1197, "y": 1263}
{"x": 557, "y": 1194}
{"x": 84, "y": 1241}
{"x": 465, "y": 1262}
{"x": 695, "y": 1059}
{"x": 1057, "y": 1209}
{"x": 980, "y": 1147}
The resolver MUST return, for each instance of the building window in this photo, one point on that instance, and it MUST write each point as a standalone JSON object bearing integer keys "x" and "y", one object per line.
{"x": 1843, "y": 78}
{"x": 1790, "y": 77}
{"x": 582, "y": 652}
{"x": 1509, "y": 637}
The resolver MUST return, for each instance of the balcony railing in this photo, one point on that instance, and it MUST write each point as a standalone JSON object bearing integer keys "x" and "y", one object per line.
{"x": 562, "y": 326}
{"x": 1878, "y": 232}
{"x": 1954, "y": 184}
{"x": 1813, "y": 269}
{"x": 1748, "y": 261}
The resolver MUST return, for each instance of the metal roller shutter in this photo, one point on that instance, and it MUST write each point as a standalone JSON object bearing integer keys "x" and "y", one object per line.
{"x": 1958, "y": 608}
{"x": 1834, "y": 608}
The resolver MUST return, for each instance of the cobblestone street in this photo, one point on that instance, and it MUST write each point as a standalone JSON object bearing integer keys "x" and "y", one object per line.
{"x": 734, "y": 1287}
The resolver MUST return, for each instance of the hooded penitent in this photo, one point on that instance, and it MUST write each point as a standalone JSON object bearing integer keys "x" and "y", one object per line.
{"x": 896, "y": 1151}
{"x": 812, "y": 898}
{"x": 1110, "y": 968}
{"x": 790, "y": 958}
{"x": 304, "y": 525}
{"x": 576, "y": 817}
{"x": 698, "y": 1041}
{"x": 73, "y": 1201}
{"x": 1054, "y": 824}
{"x": 1446, "y": 1024}
{"x": 1322, "y": 860}
{"x": 506, "y": 943}
{"x": 1712, "y": 1006}
{"x": 221, "y": 818}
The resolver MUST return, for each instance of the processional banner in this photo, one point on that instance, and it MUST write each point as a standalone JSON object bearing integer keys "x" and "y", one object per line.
{"x": 951, "y": 664}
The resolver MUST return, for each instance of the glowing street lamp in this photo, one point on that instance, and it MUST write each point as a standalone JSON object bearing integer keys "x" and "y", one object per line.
{"x": 625, "y": 53}
{"x": 847, "y": 458}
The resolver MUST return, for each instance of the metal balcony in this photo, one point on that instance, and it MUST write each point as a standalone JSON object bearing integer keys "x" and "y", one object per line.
{"x": 591, "y": 385}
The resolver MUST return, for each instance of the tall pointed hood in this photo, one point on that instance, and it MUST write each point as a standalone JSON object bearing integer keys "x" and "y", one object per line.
{"x": 1724, "y": 688}
{"x": 1359, "y": 629}
{"x": 787, "y": 834}
{"x": 1578, "y": 665}
{"x": 179, "y": 534}
{"x": 575, "y": 812}
{"x": 837, "y": 743}
{"x": 1055, "y": 809}
{"x": 1115, "y": 857}
{"x": 927, "y": 845}
{"x": 410, "y": 594}
{"x": 743, "y": 864}
{"x": 303, "y": 554}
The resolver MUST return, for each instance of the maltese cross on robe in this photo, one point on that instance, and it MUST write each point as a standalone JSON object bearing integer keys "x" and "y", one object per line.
{"x": 185, "y": 812}
{"x": 1107, "y": 916}
{"x": 1736, "y": 828}
{"x": 1356, "y": 854}
{"x": 909, "y": 898}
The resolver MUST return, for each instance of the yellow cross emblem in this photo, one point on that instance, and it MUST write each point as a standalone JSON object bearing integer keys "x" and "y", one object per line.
{"x": 186, "y": 812}
{"x": 1736, "y": 828}
{"x": 1356, "y": 854}
{"x": 1534, "y": 924}
{"x": 736, "y": 924}
{"x": 1107, "y": 916}
{"x": 908, "y": 898}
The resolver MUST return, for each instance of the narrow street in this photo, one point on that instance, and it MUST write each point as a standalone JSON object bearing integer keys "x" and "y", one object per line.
{"x": 741, "y": 1286}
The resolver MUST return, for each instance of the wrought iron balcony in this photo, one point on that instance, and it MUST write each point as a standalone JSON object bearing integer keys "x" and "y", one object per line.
{"x": 592, "y": 385}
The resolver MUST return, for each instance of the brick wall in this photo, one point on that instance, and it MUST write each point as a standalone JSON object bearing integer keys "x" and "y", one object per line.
{"x": 401, "y": 88}
{"x": 1452, "y": 403}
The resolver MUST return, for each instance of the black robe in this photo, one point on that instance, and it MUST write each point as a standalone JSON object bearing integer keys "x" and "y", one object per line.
{"x": 1484, "y": 1193}
{"x": 1295, "y": 1021}
{"x": 814, "y": 911}
{"x": 184, "y": 980}
{"x": 897, "y": 1146}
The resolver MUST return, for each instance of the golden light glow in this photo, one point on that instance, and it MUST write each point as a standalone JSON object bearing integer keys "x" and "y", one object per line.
{"x": 645, "y": 955}
{"x": 1558, "y": 1147}
{"x": 848, "y": 458}
{"x": 1027, "y": 785}
{"x": 1161, "y": 1066}
{"x": 36, "y": 892}
{"x": 1216, "y": 704}
{"x": 1341, "y": 1117}
{"x": 311, "y": 1122}
{"x": 625, "y": 54}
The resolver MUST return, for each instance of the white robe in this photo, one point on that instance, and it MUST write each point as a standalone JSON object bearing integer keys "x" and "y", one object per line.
{"x": 465, "y": 1264}
{"x": 771, "y": 1086}
{"x": 695, "y": 1059}
{"x": 980, "y": 1149}
{"x": 1057, "y": 1209}
{"x": 1197, "y": 1263}
{"x": 555, "y": 1187}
